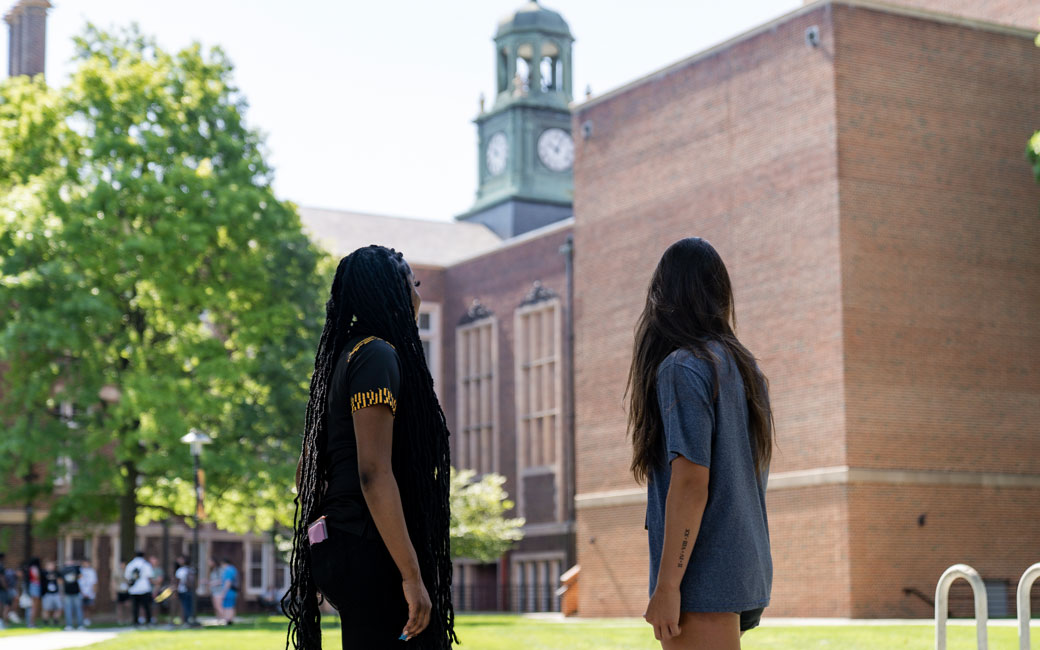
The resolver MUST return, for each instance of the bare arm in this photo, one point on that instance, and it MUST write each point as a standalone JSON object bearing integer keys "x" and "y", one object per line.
{"x": 374, "y": 428}
{"x": 684, "y": 508}
{"x": 687, "y": 497}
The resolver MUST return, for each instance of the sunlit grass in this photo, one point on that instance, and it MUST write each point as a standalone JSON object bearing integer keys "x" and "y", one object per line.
{"x": 507, "y": 632}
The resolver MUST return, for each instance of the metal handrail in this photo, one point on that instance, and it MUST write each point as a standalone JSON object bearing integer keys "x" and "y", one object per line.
{"x": 942, "y": 593}
{"x": 1024, "y": 587}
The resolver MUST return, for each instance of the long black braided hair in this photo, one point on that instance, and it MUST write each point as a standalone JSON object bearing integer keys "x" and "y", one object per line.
{"x": 371, "y": 297}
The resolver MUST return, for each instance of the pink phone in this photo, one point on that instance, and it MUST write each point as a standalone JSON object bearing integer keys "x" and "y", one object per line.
{"x": 317, "y": 532}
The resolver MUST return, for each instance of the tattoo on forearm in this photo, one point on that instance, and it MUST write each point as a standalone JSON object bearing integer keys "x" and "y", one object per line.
{"x": 682, "y": 550}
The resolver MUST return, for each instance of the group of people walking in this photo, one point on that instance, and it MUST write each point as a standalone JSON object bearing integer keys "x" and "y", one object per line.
{"x": 41, "y": 593}
{"x": 141, "y": 583}
{"x": 45, "y": 594}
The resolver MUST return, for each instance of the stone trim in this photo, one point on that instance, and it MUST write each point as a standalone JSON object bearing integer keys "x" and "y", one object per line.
{"x": 553, "y": 528}
{"x": 838, "y": 475}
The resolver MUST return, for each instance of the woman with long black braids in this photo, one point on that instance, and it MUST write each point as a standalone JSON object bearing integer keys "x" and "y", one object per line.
{"x": 371, "y": 527}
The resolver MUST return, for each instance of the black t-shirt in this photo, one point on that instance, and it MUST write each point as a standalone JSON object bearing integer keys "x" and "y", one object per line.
{"x": 372, "y": 377}
{"x": 70, "y": 577}
{"x": 50, "y": 582}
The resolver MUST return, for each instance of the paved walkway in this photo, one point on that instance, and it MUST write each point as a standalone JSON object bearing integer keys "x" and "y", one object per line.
{"x": 60, "y": 640}
{"x": 768, "y": 621}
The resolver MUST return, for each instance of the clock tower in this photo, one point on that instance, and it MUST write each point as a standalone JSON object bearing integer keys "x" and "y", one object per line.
{"x": 526, "y": 151}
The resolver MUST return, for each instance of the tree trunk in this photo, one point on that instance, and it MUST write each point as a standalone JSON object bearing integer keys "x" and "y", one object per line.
{"x": 128, "y": 514}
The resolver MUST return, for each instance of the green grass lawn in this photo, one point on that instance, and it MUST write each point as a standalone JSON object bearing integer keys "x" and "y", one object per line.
{"x": 503, "y": 632}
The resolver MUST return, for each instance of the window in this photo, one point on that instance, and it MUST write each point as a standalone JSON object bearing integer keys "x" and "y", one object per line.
{"x": 64, "y": 466}
{"x": 476, "y": 359}
{"x": 73, "y": 547}
{"x": 536, "y": 579}
{"x": 256, "y": 566}
{"x": 503, "y": 67}
{"x": 539, "y": 382}
{"x": 430, "y": 335}
{"x": 281, "y": 572}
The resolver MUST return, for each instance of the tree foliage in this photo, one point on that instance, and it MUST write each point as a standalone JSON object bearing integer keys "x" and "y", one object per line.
{"x": 479, "y": 529}
{"x": 142, "y": 248}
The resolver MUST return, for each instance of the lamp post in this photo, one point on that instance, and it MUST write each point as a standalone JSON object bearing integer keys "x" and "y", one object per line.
{"x": 196, "y": 439}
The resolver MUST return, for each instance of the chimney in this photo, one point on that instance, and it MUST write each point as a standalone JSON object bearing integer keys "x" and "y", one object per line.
{"x": 27, "y": 21}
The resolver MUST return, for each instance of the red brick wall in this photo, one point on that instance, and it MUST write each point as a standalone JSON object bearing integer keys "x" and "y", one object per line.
{"x": 1020, "y": 13}
{"x": 941, "y": 293}
{"x": 13, "y": 536}
{"x": 809, "y": 535}
{"x": 612, "y": 551}
{"x": 991, "y": 529}
{"x": 500, "y": 280}
{"x": 939, "y": 244}
{"x": 431, "y": 281}
{"x": 738, "y": 147}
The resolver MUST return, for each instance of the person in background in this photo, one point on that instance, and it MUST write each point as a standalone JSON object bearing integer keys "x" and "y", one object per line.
{"x": 215, "y": 593}
{"x": 229, "y": 583}
{"x": 25, "y": 601}
{"x": 121, "y": 590}
{"x": 5, "y": 592}
{"x": 88, "y": 588}
{"x": 34, "y": 587}
{"x": 184, "y": 576}
{"x": 139, "y": 576}
{"x": 159, "y": 593}
{"x": 51, "y": 594}
{"x": 11, "y": 578}
{"x": 72, "y": 598}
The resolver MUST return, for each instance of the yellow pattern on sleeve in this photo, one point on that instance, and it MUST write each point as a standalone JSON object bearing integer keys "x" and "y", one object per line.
{"x": 373, "y": 398}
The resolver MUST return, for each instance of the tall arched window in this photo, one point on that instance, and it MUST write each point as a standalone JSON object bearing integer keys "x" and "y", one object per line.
{"x": 476, "y": 360}
{"x": 503, "y": 70}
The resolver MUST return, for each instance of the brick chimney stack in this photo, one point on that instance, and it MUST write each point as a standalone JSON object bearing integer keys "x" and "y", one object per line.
{"x": 27, "y": 42}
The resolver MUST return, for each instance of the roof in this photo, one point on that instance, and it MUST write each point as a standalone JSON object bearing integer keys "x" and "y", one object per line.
{"x": 533, "y": 17}
{"x": 811, "y": 5}
{"x": 424, "y": 242}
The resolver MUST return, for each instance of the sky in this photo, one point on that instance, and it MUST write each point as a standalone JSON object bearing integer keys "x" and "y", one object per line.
{"x": 368, "y": 106}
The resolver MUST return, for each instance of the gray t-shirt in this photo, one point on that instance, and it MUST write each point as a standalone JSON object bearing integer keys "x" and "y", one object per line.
{"x": 730, "y": 568}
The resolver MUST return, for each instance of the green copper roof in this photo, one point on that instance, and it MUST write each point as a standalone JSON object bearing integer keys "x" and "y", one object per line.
{"x": 533, "y": 17}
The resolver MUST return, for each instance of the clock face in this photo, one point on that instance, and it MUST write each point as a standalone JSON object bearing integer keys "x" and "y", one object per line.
{"x": 497, "y": 153}
{"x": 556, "y": 149}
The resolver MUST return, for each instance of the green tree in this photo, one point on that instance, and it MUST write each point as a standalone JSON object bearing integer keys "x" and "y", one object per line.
{"x": 151, "y": 282}
{"x": 479, "y": 529}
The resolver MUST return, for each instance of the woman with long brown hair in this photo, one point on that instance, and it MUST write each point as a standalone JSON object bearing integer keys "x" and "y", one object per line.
{"x": 702, "y": 437}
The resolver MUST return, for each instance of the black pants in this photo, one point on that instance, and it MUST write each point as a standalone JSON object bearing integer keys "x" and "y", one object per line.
{"x": 358, "y": 576}
{"x": 142, "y": 601}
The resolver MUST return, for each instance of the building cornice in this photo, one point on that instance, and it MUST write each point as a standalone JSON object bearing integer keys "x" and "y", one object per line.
{"x": 837, "y": 475}
{"x": 911, "y": 12}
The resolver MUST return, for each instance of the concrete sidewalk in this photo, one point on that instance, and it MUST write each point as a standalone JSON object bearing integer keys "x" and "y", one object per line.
{"x": 60, "y": 640}
{"x": 768, "y": 621}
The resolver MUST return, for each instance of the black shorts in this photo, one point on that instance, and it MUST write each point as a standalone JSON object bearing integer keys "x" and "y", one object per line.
{"x": 750, "y": 619}
{"x": 358, "y": 576}
{"x": 122, "y": 597}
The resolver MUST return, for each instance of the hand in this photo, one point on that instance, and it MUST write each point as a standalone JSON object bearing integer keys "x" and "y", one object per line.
{"x": 418, "y": 606}
{"x": 663, "y": 613}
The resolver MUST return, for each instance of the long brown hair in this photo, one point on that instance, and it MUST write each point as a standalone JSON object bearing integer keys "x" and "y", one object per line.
{"x": 690, "y": 302}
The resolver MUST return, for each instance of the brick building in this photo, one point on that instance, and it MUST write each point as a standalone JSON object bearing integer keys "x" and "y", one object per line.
{"x": 859, "y": 167}
{"x": 868, "y": 192}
